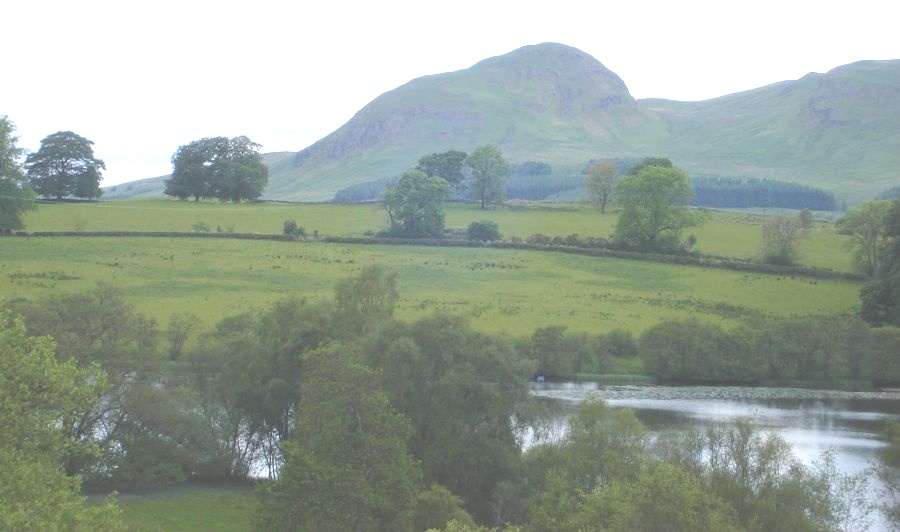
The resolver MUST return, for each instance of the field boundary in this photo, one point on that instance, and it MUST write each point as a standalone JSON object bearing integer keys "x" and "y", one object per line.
{"x": 685, "y": 260}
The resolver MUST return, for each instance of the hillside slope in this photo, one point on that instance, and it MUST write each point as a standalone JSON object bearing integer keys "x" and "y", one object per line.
{"x": 839, "y": 130}
{"x": 549, "y": 102}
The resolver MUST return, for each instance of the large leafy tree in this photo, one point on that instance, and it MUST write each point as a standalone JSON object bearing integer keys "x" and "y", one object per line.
{"x": 65, "y": 165}
{"x": 218, "y": 167}
{"x": 414, "y": 205}
{"x": 37, "y": 393}
{"x": 653, "y": 216}
{"x": 347, "y": 468}
{"x": 865, "y": 225}
{"x": 488, "y": 170}
{"x": 448, "y": 164}
{"x": 15, "y": 194}
{"x": 881, "y": 296}
{"x": 461, "y": 390}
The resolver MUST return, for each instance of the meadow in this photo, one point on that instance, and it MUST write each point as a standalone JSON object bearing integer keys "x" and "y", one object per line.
{"x": 188, "y": 507}
{"x": 500, "y": 290}
{"x": 724, "y": 233}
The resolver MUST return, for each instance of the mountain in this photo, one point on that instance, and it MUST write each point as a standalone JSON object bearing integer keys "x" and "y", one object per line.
{"x": 839, "y": 130}
{"x": 556, "y": 104}
{"x": 549, "y": 102}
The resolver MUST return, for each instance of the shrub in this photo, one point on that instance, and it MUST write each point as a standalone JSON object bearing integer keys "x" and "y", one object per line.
{"x": 200, "y": 227}
{"x": 290, "y": 227}
{"x": 539, "y": 239}
{"x": 483, "y": 230}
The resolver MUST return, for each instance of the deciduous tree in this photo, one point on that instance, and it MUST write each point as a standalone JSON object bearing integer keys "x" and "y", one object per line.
{"x": 38, "y": 393}
{"x": 866, "y": 227}
{"x": 779, "y": 236}
{"x": 600, "y": 180}
{"x": 488, "y": 170}
{"x": 347, "y": 468}
{"x": 65, "y": 166}
{"x": 218, "y": 167}
{"x": 448, "y": 164}
{"x": 653, "y": 216}
{"x": 415, "y": 205}
{"x": 16, "y": 196}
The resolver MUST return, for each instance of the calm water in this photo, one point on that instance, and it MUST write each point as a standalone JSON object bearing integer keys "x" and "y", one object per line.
{"x": 812, "y": 421}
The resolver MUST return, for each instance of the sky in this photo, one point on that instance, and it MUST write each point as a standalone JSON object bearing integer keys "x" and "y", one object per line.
{"x": 140, "y": 79}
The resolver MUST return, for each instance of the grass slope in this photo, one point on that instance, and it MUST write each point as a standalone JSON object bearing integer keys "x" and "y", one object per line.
{"x": 189, "y": 508}
{"x": 726, "y": 234}
{"x": 511, "y": 291}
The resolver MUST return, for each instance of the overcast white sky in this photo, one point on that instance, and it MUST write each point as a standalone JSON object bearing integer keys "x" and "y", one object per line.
{"x": 142, "y": 78}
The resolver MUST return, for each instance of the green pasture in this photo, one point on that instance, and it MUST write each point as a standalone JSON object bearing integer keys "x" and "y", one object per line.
{"x": 500, "y": 290}
{"x": 185, "y": 508}
{"x": 724, "y": 233}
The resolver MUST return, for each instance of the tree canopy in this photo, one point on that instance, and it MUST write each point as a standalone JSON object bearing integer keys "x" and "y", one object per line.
{"x": 600, "y": 181}
{"x": 415, "y": 205}
{"x": 881, "y": 296}
{"x": 348, "y": 467}
{"x": 218, "y": 167}
{"x": 448, "y": 164}
{"x": 488, "y": 170}
{"x": 653, "y": 216}
{"x": 65, "y": 165}
{"x": 866, "y": 225}
{"x": 15, "y": 194}
{"x": 38, "y": 393}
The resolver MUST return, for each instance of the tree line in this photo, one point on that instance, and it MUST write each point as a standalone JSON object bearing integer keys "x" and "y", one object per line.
{"x": 751, "y": 192}
{"x": 362, "y": 421}
{"x": 65, "y": 167}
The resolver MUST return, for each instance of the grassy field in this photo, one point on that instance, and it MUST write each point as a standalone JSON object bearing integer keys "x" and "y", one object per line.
{"x": 512, "y": 291}
{"x": 187, "y": 508}
{"x": 728, "y": 234}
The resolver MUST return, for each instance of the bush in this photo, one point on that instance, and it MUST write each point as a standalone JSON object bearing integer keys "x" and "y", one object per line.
{"x": 483, "y": 230}
{"x": 200, "y": 227}
{"x": 290, "y": 227}
{"x": 539, "y": 239}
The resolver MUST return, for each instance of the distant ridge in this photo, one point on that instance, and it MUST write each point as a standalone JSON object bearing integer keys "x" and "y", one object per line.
{"x": 556, "y": 104}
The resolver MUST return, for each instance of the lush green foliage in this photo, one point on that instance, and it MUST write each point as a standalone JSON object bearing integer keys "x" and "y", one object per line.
{"x": 448, "y": 164}
{"x": 218, "y": 167}
{"x": 15, "y": 194}
{"x": 347, "y": 466}
{"x": 483, "y": 230}
{"x": 488, "y": 170}
{"x": 866, "y": 225}
{"x": 652, "y": 198}
{"x": 881, "y": 297}
{"x": 414, "y": 205}
{"x": 39, "y": 396}
{"x": 817, "y": 348}
{"x": 65, "y": 166}
{"x": 460, "y": 389}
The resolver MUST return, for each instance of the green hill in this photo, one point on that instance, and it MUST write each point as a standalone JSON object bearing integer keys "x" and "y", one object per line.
{"x": 553, "y": 103}
{"x": 839, "y": 131}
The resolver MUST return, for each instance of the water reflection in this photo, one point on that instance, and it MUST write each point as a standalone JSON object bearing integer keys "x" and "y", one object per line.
{"x": 812, "y": 421}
